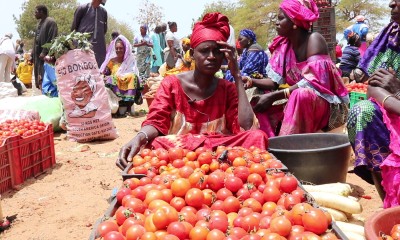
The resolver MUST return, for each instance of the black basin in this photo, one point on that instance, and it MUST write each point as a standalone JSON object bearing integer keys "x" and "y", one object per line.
{"x": 314, "y": 157}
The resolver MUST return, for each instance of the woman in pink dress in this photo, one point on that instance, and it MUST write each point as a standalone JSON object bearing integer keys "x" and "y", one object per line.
{"x": 317, "y": 98}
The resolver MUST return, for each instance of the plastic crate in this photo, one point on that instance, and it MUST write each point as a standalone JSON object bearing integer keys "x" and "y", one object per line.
{"x": 356, "y": 97}
{"x": 7, "y": 172}
{"x": 35, "y": 154}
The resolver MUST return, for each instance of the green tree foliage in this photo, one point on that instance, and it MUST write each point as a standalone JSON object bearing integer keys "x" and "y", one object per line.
{"x": 149, "y": 14}
{"x": 260, "y": 15}
{"x": 375, "y": 11}
{"x": 63, "y": 13}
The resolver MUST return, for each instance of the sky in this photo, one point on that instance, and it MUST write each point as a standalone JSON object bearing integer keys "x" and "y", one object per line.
{"x": 179, "y": 11}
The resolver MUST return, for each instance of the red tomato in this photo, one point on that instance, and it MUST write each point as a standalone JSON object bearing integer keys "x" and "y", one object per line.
{"x": 288, "y": 184}
{"x": 242, "y": 173}
{"x": 114, "y": 235}
{"x": 178, "y": 229}
{"x": 194, "y": 197}
{"x": 233, "y": 183}
{"x": 231, "y": 204}
{"x": 204, "y": 158}
{"x": 271, "y": 194}
{"x": 175, "y": 153}
{"x": 281, "y": 225}
{"x": 315, "y": 221}
{"x": 106, "y": 227}
{"x": 135, "y": 232}
{"x": 215, "y": 180}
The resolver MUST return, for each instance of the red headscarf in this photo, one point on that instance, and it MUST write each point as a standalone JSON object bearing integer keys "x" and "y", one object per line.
{"x": 214, "y": 26}
{"x": 302, "y": 12}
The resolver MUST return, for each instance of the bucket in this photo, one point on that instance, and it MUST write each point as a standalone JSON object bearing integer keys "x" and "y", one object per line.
{"x": 314, "y": 157}
{"x": 381, "y": 222}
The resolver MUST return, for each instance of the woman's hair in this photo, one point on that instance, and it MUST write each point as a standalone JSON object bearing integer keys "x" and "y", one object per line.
{"x": 171, "y": 24}
{"x": 353, "y": 39}
{"x": 43, "y": 9}
{"x": 114, "y": 34}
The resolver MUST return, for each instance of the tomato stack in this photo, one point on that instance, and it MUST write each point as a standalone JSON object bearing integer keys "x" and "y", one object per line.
{"x": 232, "y": 193}
{"x": 357, "y": 87}
{"x": 22, "y": 128}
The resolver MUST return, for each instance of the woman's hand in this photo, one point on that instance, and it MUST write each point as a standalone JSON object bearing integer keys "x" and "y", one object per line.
{"x": 230, "y": 55}
{"x": 263, "y": 102}
{"x": 127, "y": 152}
{"x": 385, "y": 79}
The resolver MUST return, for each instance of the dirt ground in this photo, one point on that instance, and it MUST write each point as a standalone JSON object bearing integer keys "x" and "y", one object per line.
{"x": 65, "y": 201}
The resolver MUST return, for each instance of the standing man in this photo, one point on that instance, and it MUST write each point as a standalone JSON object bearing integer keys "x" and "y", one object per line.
{"x": 92, "y": 18}
{"x": 7, "y": 57}
{"x": 163, "y": 43}
{"x": 46, "y": 31}
{"x": 157, "y": 51}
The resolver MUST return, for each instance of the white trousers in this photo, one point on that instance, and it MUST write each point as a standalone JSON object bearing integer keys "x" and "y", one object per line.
{"x": 5, "y": 67}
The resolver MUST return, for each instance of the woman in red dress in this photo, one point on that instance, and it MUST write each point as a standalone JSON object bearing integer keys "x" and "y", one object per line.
{"x": 195, "y": 109}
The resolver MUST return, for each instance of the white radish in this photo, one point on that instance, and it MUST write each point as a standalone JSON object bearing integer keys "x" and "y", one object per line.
{"x": 338, "y": 202}
{"x": 343, "y": 189}
{"x": 336, "y": 214}
{"x": 349, "y": 227}
{"x": 353, "y": 236}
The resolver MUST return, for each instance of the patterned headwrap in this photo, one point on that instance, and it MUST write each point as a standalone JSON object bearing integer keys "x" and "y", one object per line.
{"x": 185, "y": 41}
{"x": 214, "y": 26}
{"x": 249, "y": 34}
{"x": 302, "y": 12}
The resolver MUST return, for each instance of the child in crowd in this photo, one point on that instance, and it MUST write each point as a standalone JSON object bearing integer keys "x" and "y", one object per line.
{"x": 25, "y": 70}
{"x": 351, "y": 55}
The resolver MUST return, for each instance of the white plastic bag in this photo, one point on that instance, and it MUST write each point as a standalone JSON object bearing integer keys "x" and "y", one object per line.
{"x": 113, "y": 100}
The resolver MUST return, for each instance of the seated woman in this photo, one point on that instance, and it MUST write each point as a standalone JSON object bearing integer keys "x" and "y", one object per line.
{"x": 351, "y": 55}
{"x": 253, "y": 58}
{"x": 121, "y": 73}
{"x": 187, "y": 62}
{"x": 374, "y": 125}
{"x": 194, "y": 108}
{"x": 317, "y": 98}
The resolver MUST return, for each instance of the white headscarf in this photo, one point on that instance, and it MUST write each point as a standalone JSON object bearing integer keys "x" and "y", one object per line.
{"x": 129, "y": 63}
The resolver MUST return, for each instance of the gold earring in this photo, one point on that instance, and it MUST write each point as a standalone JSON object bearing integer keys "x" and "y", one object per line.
{"x": 294, "y": 26}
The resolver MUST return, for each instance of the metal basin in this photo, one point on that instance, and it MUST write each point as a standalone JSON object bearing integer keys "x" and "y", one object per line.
{"x": 314, "y": 157}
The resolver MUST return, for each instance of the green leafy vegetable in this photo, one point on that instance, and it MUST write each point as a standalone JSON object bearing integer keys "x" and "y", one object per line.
{"x": 64, "y": 43}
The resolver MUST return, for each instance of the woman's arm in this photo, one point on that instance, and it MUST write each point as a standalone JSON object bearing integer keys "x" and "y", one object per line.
{"x": 144, "y": 136}
{"x": 264, "y": 83}
{"x": 245, "y": 112}
{"x": 384, "y": 86}
{"x": 172, "y": 50}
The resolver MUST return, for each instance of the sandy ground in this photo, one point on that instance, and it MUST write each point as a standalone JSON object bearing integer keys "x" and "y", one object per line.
{"x": 65, "y": 201}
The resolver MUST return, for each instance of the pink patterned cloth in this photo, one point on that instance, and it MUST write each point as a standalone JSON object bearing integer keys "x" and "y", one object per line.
{"x": 391, "y": 165}
{"x": 302, "y": 12}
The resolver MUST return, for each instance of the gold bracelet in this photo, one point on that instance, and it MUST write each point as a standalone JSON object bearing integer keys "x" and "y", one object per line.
{"x": 386, "y": 98}
{"x": 287, "y": 92}
{"x": 284, "y": 93}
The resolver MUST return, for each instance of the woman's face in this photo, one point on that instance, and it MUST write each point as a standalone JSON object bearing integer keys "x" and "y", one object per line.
{"x": 208, "y": 57}
{"x": 81, "y": 94}
{"x": 119, "y": 49}
{"x": 395, "y": 13}
{"x": 174, "y": 28}
{"x": 284, "y": 26}
{"x": 244, "y": 42}
{"x": 143, "y": 31}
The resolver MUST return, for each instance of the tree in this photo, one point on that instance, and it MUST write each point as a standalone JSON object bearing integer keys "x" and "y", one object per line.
{"x": 150, "y": 15}
{"x": 63, "y": 13}
{"x": 373, "y": 10}
{"x": 61, "y": 10}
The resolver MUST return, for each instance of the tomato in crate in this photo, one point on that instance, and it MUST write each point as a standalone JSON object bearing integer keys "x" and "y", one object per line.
{"x": 36, "y": 153}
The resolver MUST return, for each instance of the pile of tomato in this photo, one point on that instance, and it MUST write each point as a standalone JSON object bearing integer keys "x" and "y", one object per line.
{"x": 357, "y": 87}
{"x": 232, "y": 193}
{"x": 22, "y": 128}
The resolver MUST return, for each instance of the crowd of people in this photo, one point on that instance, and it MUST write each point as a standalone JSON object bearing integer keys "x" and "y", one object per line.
{"x": 295, "y": 87}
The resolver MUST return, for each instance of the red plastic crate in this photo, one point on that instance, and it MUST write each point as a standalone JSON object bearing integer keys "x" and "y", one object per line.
{"x": 7, "y": 156}
{"x": 35, "y": 154}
